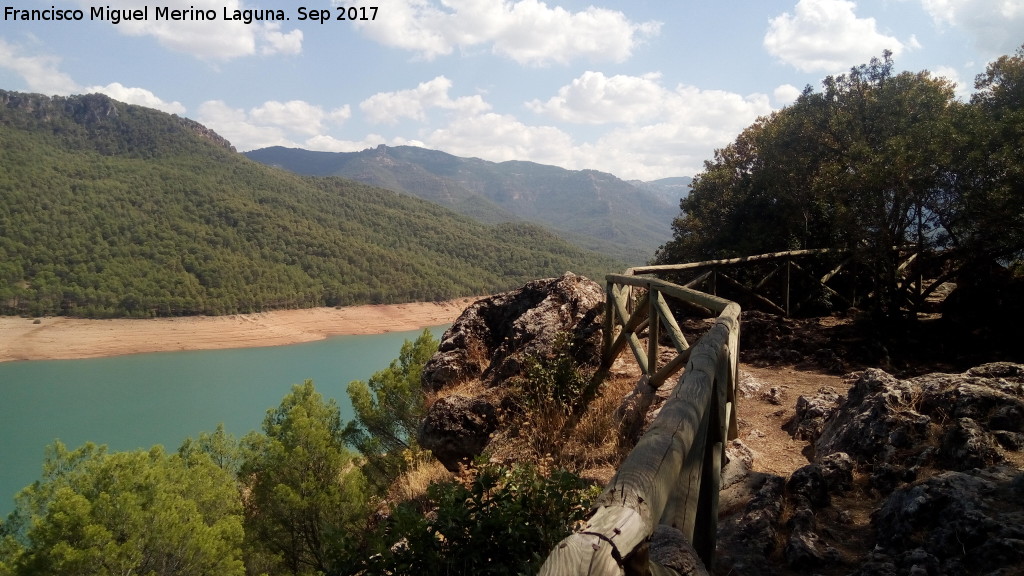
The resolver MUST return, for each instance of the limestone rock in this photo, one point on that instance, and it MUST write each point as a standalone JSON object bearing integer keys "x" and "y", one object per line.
{"x": 492, "y": 338}
{"x": 812, "y": 412}
{"x": 458, "y": 428}
{"x": 956, "y": 523}
{"x": 491, "y": 344}
{"x": 669, "y": 548}
{"x": 932, "y": 448}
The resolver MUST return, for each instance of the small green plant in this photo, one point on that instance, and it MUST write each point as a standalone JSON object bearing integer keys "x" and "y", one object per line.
{"x": 556, "y": 380}
{"x": 495, "y": 520}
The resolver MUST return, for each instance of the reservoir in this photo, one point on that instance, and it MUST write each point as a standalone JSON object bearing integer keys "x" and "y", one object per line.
{"x": 140, "y": 400}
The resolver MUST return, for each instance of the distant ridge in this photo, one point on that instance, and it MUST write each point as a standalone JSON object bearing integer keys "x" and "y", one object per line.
{"x": 593, "y": 209}
{"x": 110, "y": 209}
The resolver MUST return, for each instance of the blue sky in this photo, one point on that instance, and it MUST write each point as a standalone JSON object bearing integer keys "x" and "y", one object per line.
{"x": 641, "y": 89}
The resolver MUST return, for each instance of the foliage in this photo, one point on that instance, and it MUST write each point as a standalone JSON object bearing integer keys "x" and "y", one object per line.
{"x": 128, "y": 512}
{"x": 306, "y": 498}
{"x": 591, "y": 209}
{"x": 875, "y": 160}
{"x": 501, "y": 520}
{"x": 222, "y": 448}
{"x": 388, "y": 409}
{"x": 556, "y": 380}
{"x": 108, "y": 209}
{"x": 986, "y": 211}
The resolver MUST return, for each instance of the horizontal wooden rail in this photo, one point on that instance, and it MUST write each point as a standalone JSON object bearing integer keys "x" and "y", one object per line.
{"x": 672, "y": 476}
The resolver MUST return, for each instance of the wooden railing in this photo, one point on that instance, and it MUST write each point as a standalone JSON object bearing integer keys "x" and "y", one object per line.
{"x": 672, "y": 475}
{"x": 799, "y": 281}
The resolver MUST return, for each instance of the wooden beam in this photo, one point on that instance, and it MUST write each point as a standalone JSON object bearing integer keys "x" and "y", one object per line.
{"x": 653, "y": 325}
{"x": 772, "y": 305}
{"x": 725, "y": 262}
{"x": 669, "y": 320}
{"x": 697, "y": 280}
{"x": 674, "y": 364}
{"x": 708, "y": 301}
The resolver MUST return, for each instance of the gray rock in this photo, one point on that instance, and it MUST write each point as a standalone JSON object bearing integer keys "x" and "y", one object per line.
{"x": 492, "y": 339}
{"x": 490, "y": 344}
{"x": 671, "y": 549}
{"x": 812, "y": 412}
{"x": 457, "y": 429}
{"x": 966, "y": 522}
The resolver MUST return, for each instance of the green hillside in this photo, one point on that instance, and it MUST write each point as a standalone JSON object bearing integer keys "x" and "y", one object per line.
{"x": 110, "y": 209}
{"x": 592, "y": 209}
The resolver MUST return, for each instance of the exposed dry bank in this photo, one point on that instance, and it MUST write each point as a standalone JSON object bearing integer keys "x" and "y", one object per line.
{"x": 68, "y": 338}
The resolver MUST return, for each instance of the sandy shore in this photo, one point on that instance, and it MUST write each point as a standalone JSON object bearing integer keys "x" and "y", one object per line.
{"x": 64, "y": 338}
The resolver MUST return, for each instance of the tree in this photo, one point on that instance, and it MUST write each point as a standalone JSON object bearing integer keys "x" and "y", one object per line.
{"x": 985, "y": 213}
{"x": 389, "y": 408}
{"x": 859, "y": 167}
{"x": 143, "y": 512}
{"x": 222, "y": 448}
{"x": 306, "y": 498}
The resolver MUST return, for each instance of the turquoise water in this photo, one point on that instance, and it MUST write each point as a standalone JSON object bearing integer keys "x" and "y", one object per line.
{"x": 137, "y": 401}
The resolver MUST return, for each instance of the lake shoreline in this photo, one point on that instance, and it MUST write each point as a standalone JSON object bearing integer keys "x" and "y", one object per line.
{"x": 62, "y": 338}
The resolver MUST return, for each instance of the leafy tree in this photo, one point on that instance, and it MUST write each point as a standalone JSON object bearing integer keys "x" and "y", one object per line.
{"x": 388, "y": 410}
{"x": 221, "y": 447}
{"x": 984, "y": 216}
{"x": 101, "y": 513}
{"x": 306, "y": 498}
{"x": 859, "y": 166}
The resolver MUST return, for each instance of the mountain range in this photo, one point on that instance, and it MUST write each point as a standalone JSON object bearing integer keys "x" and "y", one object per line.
{"x": 110, "y": 209}
{"x": 596, "y": 210}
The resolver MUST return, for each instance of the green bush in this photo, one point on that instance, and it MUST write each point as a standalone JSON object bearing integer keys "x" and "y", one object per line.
{"x": 500, "y": 520}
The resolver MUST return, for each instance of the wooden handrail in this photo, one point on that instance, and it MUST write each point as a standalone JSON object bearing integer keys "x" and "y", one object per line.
{"x": 672, "y": 475}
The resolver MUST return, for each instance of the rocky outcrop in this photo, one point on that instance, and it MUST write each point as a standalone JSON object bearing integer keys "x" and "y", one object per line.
{"x": 492, "y": 338}
{"x": 929, "y": 455}
{"x": 490, "y": 344}
{"x": 99, "y": 112}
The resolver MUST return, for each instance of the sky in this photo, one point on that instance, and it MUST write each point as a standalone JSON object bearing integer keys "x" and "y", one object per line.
{"x": 641, "y": 89}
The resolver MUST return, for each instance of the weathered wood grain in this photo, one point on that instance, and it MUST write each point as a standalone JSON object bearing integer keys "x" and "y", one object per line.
{"x": 672, "y": 475}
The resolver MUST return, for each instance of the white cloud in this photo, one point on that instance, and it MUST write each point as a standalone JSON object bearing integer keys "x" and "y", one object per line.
{"x": 500, "y": 137}
{"x": 594, "y": 98}
{"x": 237, "y": 127}
{"x": 786, "y": 94}
{"x": 528, "y": 32}
{"x": 208, "y": 39}
{"x": 827, "y": 36}
{"x": 997, "y": 26}
{"x": 297, "y": 115}
{"x": 278, "y": 42}
{"x": 390, "y": 107}
{"x": 272, "y": 124}
{"x": 41, "y": 73}
{"x": 138, "y": 96}
{"x": 660, "y": 132}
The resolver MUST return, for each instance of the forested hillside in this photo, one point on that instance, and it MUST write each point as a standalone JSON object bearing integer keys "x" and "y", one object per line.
{"x": 592, "y": 209}
{"x": 110, "y": 209}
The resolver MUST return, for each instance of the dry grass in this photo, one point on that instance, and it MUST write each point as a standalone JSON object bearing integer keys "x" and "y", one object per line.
{"x": 586, "y": 444}
{"x": 413, "y": 484}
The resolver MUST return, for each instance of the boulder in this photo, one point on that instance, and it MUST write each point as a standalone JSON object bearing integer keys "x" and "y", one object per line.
{"x": 492, "y": 343}
{"x": 458, "y": 428}
{"x": 968, "y": 522}
{"x": 492, "y": 338}
{"x": 933, "y": 450}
